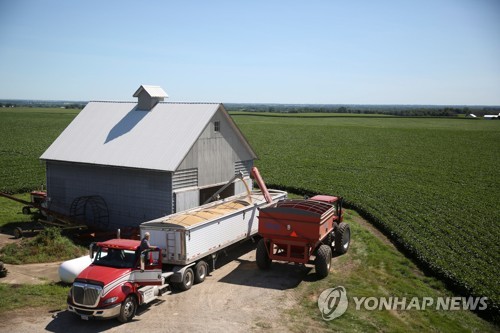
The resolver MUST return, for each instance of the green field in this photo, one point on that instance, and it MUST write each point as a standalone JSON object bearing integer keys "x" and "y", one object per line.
{"x": 430, "y": 184}
{"x": 25, "y": 133}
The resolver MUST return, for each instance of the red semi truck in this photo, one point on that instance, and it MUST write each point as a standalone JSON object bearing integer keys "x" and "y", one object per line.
{"x": 119, "y": 280}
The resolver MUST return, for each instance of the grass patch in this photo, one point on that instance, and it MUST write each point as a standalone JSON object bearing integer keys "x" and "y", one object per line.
{"x": 10, "y": 211}
{"x": 48, "y": 246}
{"x": 14, "y": 297}
{"x": 374, "y": 268}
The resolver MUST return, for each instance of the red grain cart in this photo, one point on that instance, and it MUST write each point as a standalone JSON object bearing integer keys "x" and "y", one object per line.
{"x": 296, "y": 230}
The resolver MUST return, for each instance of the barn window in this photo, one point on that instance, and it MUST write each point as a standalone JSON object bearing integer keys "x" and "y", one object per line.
{"x": 217, "y": 126}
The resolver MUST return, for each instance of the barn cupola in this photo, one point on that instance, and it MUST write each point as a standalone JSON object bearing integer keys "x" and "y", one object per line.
{"x": 149, "y": 96}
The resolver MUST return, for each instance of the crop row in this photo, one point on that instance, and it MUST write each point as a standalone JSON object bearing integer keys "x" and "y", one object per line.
{"x": 25, "y": 134}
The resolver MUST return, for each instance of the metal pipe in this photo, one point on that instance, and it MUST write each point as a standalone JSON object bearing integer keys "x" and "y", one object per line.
{"x": 262, "y": 184}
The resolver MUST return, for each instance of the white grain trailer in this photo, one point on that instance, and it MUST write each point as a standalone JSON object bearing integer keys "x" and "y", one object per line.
{"x": 190, "y": 240}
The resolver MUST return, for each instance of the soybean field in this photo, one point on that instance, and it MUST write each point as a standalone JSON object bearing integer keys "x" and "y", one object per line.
{"x": 25, "y": 133}
{"x": 431, "y": 184}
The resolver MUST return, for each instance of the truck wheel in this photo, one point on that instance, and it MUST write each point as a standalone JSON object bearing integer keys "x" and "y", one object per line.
{"x": 262, "y": 256}
{"x": 342, "y": 238}
{"x": 323, "y": 261}
{"x": 187, "y": 280}
{"x": 127, "y": 311}
{"x": 200, "y": 271}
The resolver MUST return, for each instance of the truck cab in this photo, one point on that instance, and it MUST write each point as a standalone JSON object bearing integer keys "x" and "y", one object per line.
{"x": 119, "y": 279}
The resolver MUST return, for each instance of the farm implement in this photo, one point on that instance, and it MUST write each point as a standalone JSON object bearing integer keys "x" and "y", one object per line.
{"x": 45, "y": 217}
{"x": 297, "y": 230}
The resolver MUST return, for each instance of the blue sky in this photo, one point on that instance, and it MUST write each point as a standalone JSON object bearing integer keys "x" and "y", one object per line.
{"x": 338, "y": 52}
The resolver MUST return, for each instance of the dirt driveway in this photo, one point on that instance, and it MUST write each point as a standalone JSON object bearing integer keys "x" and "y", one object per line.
{"x": 236, "y": 297}
{"x": 31, "y": 273}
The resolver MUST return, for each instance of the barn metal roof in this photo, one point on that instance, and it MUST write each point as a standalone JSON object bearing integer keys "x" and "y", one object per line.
{"x": 117, "y": 134}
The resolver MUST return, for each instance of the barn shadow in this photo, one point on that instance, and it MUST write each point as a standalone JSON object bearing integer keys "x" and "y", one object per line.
{"x": 131, "y": 119}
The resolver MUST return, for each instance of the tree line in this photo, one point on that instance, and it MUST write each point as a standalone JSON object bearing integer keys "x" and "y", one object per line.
{"x": 396, "y": 110}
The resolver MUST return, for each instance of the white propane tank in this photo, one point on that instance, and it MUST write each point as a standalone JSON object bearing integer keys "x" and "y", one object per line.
{"x": 70, "y": 269}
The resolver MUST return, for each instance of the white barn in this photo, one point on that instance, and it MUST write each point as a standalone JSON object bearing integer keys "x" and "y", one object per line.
{"x": 118, "y": 164}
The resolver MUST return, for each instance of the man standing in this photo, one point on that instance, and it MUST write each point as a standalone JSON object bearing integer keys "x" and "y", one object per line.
{"x": 145, "y": 242}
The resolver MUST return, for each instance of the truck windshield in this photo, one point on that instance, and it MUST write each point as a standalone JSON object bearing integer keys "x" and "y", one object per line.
{"x": 115, "y": 258}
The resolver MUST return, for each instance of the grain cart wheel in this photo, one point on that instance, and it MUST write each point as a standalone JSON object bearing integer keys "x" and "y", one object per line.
{"x": 342, "y": 238}
{"x": 200, "y": 271}
{"x": 262, "y": 256}
{"x": 329, "y": 239}
{"x": 127, "y": 310}
{"x": 323, "y": 261}
{"x": 187, "y": 279}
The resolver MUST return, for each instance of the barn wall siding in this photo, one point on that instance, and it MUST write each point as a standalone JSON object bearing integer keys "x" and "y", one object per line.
{"x": 186, "y": 199}
{"x": 185, "y": 178}
{"x": 132, "y": 196}
{"x": 215, "y": 153}
{"x": 244, "y": 167}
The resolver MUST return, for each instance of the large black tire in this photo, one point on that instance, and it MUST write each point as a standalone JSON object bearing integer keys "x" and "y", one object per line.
{"x": 323, "y": 261}
{"x": 342, "y": 238}
{"x": 187, "y": 280}
{"x": 262, "y": 256}
{"x": 128, "y": 309}
{"x": 328, "y": 240}
{"x": 200, "y": 271}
